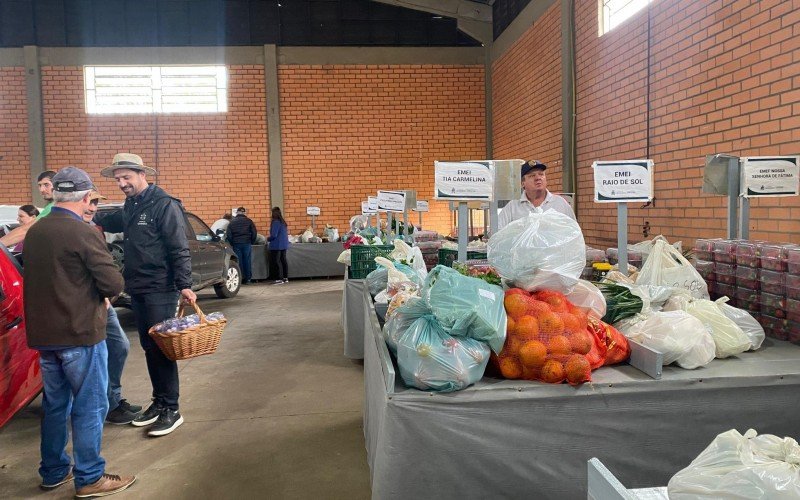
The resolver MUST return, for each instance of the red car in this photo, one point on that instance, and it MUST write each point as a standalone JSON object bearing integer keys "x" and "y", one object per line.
{"x": 20, "y": 376}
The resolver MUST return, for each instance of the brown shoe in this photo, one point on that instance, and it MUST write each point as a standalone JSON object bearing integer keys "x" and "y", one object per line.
{"x": 108, "y": 484}
{"x": 48, "y": 487}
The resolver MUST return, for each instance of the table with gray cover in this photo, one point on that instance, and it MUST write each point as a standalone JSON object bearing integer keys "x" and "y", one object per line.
{"x": 305, "y": 260}
{"x": 519, "y": 439}
{"x": 355, "y": 316}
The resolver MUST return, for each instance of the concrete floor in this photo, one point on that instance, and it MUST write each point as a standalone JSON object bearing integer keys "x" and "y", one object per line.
{"x": 274, "y": 413}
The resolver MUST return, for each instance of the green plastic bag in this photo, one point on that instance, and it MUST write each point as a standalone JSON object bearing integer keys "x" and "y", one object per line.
{"x": 466, "y": 307}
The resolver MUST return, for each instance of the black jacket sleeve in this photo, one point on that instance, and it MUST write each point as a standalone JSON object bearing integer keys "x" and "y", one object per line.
{"x": 173, "y": 232}
{"x": 253, "y": 233}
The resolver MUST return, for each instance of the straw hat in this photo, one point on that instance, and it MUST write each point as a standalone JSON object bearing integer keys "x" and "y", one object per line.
{"x": 129, "y": 161}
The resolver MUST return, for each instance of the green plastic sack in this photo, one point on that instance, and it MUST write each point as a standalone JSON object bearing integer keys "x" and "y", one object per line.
{"x": 466, "y": 307}
{"x": 402, "y": 319}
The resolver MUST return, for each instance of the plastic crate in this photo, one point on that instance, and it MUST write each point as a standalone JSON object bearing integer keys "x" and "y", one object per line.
{"x": 447, "y": 256}
{"x": 362, "y": 258}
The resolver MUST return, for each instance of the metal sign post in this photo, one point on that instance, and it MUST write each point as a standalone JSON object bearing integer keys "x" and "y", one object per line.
{"x": 313, "y": 212}
{"x": 622, "y": 237}
{"x": 733, "y": 197}
{"x": 463, "y": 223}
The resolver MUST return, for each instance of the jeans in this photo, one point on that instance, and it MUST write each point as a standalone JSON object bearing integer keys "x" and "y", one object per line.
{"x": 279, "y": 258}
{"x": 75, "y": 381}
{"x": 118, "y": 346}
{"x": 244, "y": 252}
{"x": 149, "y": 309}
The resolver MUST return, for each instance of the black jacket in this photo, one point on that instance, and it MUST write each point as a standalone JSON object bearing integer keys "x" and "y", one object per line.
{"x": 157, "y": 257}
{"x": 241, "y": 230}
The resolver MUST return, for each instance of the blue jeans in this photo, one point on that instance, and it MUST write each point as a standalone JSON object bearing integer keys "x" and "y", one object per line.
{"x": 118, "y": 346}
{"x": 149, "y": 309}
{"x": 244, "y": 253}
{"x": 75, "y": 381}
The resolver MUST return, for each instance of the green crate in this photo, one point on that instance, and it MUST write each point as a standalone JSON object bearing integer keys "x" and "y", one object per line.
{"x": 447, "y": 256}
{"x": 362, "y": 258}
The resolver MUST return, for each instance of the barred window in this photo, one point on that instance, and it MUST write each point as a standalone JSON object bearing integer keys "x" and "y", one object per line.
{"x": 156, "y": 89}
{"x": 615, "y": 12}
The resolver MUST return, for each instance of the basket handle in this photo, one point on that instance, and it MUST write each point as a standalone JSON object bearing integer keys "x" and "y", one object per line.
{"x": 200, "y": 314}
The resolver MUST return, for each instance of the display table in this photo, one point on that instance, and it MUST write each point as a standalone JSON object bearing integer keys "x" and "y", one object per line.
{"x": 518, "y": 439}
{"x": 355, "y": 316}
{"x": 305, "y": 260}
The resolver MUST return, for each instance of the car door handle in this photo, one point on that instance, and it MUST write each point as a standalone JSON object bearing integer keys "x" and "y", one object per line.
{"x": 14, "y": 323}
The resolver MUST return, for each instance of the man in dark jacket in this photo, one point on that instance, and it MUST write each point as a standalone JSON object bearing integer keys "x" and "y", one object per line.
{"x": 158, "y": 269}
{"x": 241, "y": 234}
{"x": 68, "y": 275}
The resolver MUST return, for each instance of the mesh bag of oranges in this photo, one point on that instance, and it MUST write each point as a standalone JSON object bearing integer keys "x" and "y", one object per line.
{"x": 552, "y": 340}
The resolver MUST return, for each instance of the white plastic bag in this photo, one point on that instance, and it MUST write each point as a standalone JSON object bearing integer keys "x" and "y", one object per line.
{"x": 411, "y": 255}
{"x": 728, "y": 337}
{"x": 741, "y": 466}
{"x": 646, "y": 246}
{"x": 307, "y": 235}
{"x": 679, "y": 336}
{"x": 668, "y": 267}
{"x": 542, "y": 241}
{"x": 344, "y": 257}
{"x": 749, "y": 325}
{"x": 588, "y": 297}
{"x": 394, "y": 275}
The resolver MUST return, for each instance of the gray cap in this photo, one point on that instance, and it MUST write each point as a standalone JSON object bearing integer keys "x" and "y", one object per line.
{"x": 71, "y": 179}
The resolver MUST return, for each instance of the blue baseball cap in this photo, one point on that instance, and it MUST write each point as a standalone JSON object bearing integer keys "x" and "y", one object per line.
{"x": 71, "y": 179}
{"x": 532, "y": 165}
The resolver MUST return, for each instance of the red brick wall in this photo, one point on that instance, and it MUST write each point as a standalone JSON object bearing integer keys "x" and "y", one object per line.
{"x": 15, "y": 161}
{"x": 212, "y": 162}
{"x": 526, "y": 97}
{"x": 724, "y": 79}
{"x": 348, "y": 131}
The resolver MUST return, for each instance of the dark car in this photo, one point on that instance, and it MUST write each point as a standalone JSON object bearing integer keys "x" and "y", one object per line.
{"x": 213, "y": 261}
{"x": 20, "y": 375}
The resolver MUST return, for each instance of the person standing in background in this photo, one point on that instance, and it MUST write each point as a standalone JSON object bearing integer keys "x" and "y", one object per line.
{"x": 241, "y": 234}
{"x": 26, "y": 215}
{"x": 45, "y": 183}
{"x": 278, "y": 244}
{"x": 219, "y": 226}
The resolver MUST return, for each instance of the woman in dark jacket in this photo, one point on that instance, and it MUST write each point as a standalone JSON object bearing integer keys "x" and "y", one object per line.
{"x": 278, "y": 244}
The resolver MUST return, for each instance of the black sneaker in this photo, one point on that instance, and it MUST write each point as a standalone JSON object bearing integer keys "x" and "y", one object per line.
{"x": 123, "y": 403}
{"x": 168, "y": 421}
{"x": 120, "y": 416}
{"x": 149, "y": 416}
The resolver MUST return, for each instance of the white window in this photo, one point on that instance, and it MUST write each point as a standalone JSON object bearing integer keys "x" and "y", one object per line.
{"x": 615, "y": 12}
{"x": 155, "y": 89}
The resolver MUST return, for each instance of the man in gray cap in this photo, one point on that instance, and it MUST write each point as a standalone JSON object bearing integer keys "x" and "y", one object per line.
{"x": 158, "y": 270}
{"x": 534, "y": 195}
{"x": 62, "y": 253}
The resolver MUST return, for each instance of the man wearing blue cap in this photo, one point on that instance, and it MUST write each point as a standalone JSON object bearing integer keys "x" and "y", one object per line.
{"x": 534, "y": 195}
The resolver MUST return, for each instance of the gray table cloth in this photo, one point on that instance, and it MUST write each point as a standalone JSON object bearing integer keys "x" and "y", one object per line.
{"x": 355, "y": 316}
{"x": 517, "y": 439}
{"x": 305, "y": 260}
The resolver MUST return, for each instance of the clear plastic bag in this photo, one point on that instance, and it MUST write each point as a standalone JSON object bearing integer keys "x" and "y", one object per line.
{"x": 588, "y": 297}
{"x": 668, "y": 267}
{"x": 679, "y": 336}
{"x": 466, "y": 307}
{"x": 729, "y": 338}
{"x": 749, "y": 325}
{"x": 741, "y": 466}
{"x": 430, "y": 359}
{"x": 398, "y": 323}
{"x": 378, "y": 279}
{"x": 411, "y": 255}
{"x": 542, "y": 241}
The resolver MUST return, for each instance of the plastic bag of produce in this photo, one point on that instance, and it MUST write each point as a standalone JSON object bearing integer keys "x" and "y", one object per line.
{"x": 344, "y": 257}
{"x": 588, "y": 297}
{"x": 526, "y": 249}
{"x": 331, "y": 233}
{"x": 741, "y": 466}
{"x": 668, "y": 267}
{"x": 403, "y": 316}
{"x": 728, "y": 337}
{"x": 377, "y": 280}
{"x": 399, "y": 294}
{"x": 466, "y": 307}
{"x": 744, "y": 320}
{"x": 430, "y": 359}
{"x": 645, "y": 247}
{"x": 412, "y": 256}
{"x": 679, "y": 336}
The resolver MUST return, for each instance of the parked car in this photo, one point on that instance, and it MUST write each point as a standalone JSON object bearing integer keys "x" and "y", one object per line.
{"x": 213, "y": 261}
{"x": 20, "y": 375}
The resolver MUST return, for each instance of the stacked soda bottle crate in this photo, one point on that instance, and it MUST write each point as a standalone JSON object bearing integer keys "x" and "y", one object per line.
{"x": 760, "y": 277}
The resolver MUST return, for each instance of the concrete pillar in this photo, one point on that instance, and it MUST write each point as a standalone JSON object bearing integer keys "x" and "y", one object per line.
{"x": 273, "y": 126}
{"x": 568, "y": 109}
{"x": 36, "y": 144}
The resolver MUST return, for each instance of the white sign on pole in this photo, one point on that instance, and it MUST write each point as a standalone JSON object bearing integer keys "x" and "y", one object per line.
{"x": 391, "y": 201}
{"x": 623, "y": 181}
{"x": 312, "y": 211}
{"x": 365, "y": 208}
{"x": 422, "y": 206}
{"x": 765, "y": 176}
{"x": 464, "y": 181}
{"x": 373, "y": 203}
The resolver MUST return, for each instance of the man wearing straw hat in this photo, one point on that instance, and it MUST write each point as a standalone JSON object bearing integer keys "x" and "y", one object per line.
{"x": 158, "y": 270}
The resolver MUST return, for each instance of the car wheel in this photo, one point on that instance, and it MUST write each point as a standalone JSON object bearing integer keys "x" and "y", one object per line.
{"x": 233, "y": 280}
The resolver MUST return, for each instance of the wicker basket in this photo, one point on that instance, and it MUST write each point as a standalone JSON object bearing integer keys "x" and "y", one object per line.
{"x": 192, "y": 342}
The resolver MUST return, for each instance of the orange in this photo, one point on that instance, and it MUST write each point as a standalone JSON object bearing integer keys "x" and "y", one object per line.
{"x": 556, "y": 300}
{"x": 527, "y": 328}
{"x": 559, "y": 345}
{"x": 552, "y": 372}
{"x": 510, "y": 368}
{"x": 550, "y": 325}
{"x": 580, "y": 342}
{"x": 516, "y": 305}
{"x": 533, "y": 354}
{"x": 511, "y": 347}
{"x": 578, "y": 370}
{"x": 571, "y": 323}
{"x": 537, "y": 308}
{"x": 515, "y": 291}
{"x": 511, "y": 326}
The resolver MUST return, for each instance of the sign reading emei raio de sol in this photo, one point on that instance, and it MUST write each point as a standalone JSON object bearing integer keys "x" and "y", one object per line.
{"x": 623, "y": 181}
{"x": 465, "y": 181}
{"x": 770, "y": 176}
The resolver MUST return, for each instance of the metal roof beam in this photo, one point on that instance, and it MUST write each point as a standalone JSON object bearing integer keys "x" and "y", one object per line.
{"x": 459, "y": 9}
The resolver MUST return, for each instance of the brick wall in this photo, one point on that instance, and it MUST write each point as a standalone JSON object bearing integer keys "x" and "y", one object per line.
{"x": 14, "y": 153}
{"x": 212, "y": 162}
{"x": 526, "y": 97}
{"x": 348, "y": 131}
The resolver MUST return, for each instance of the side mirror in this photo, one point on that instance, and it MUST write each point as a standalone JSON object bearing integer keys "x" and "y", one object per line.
{"x": 215, "y": 238}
